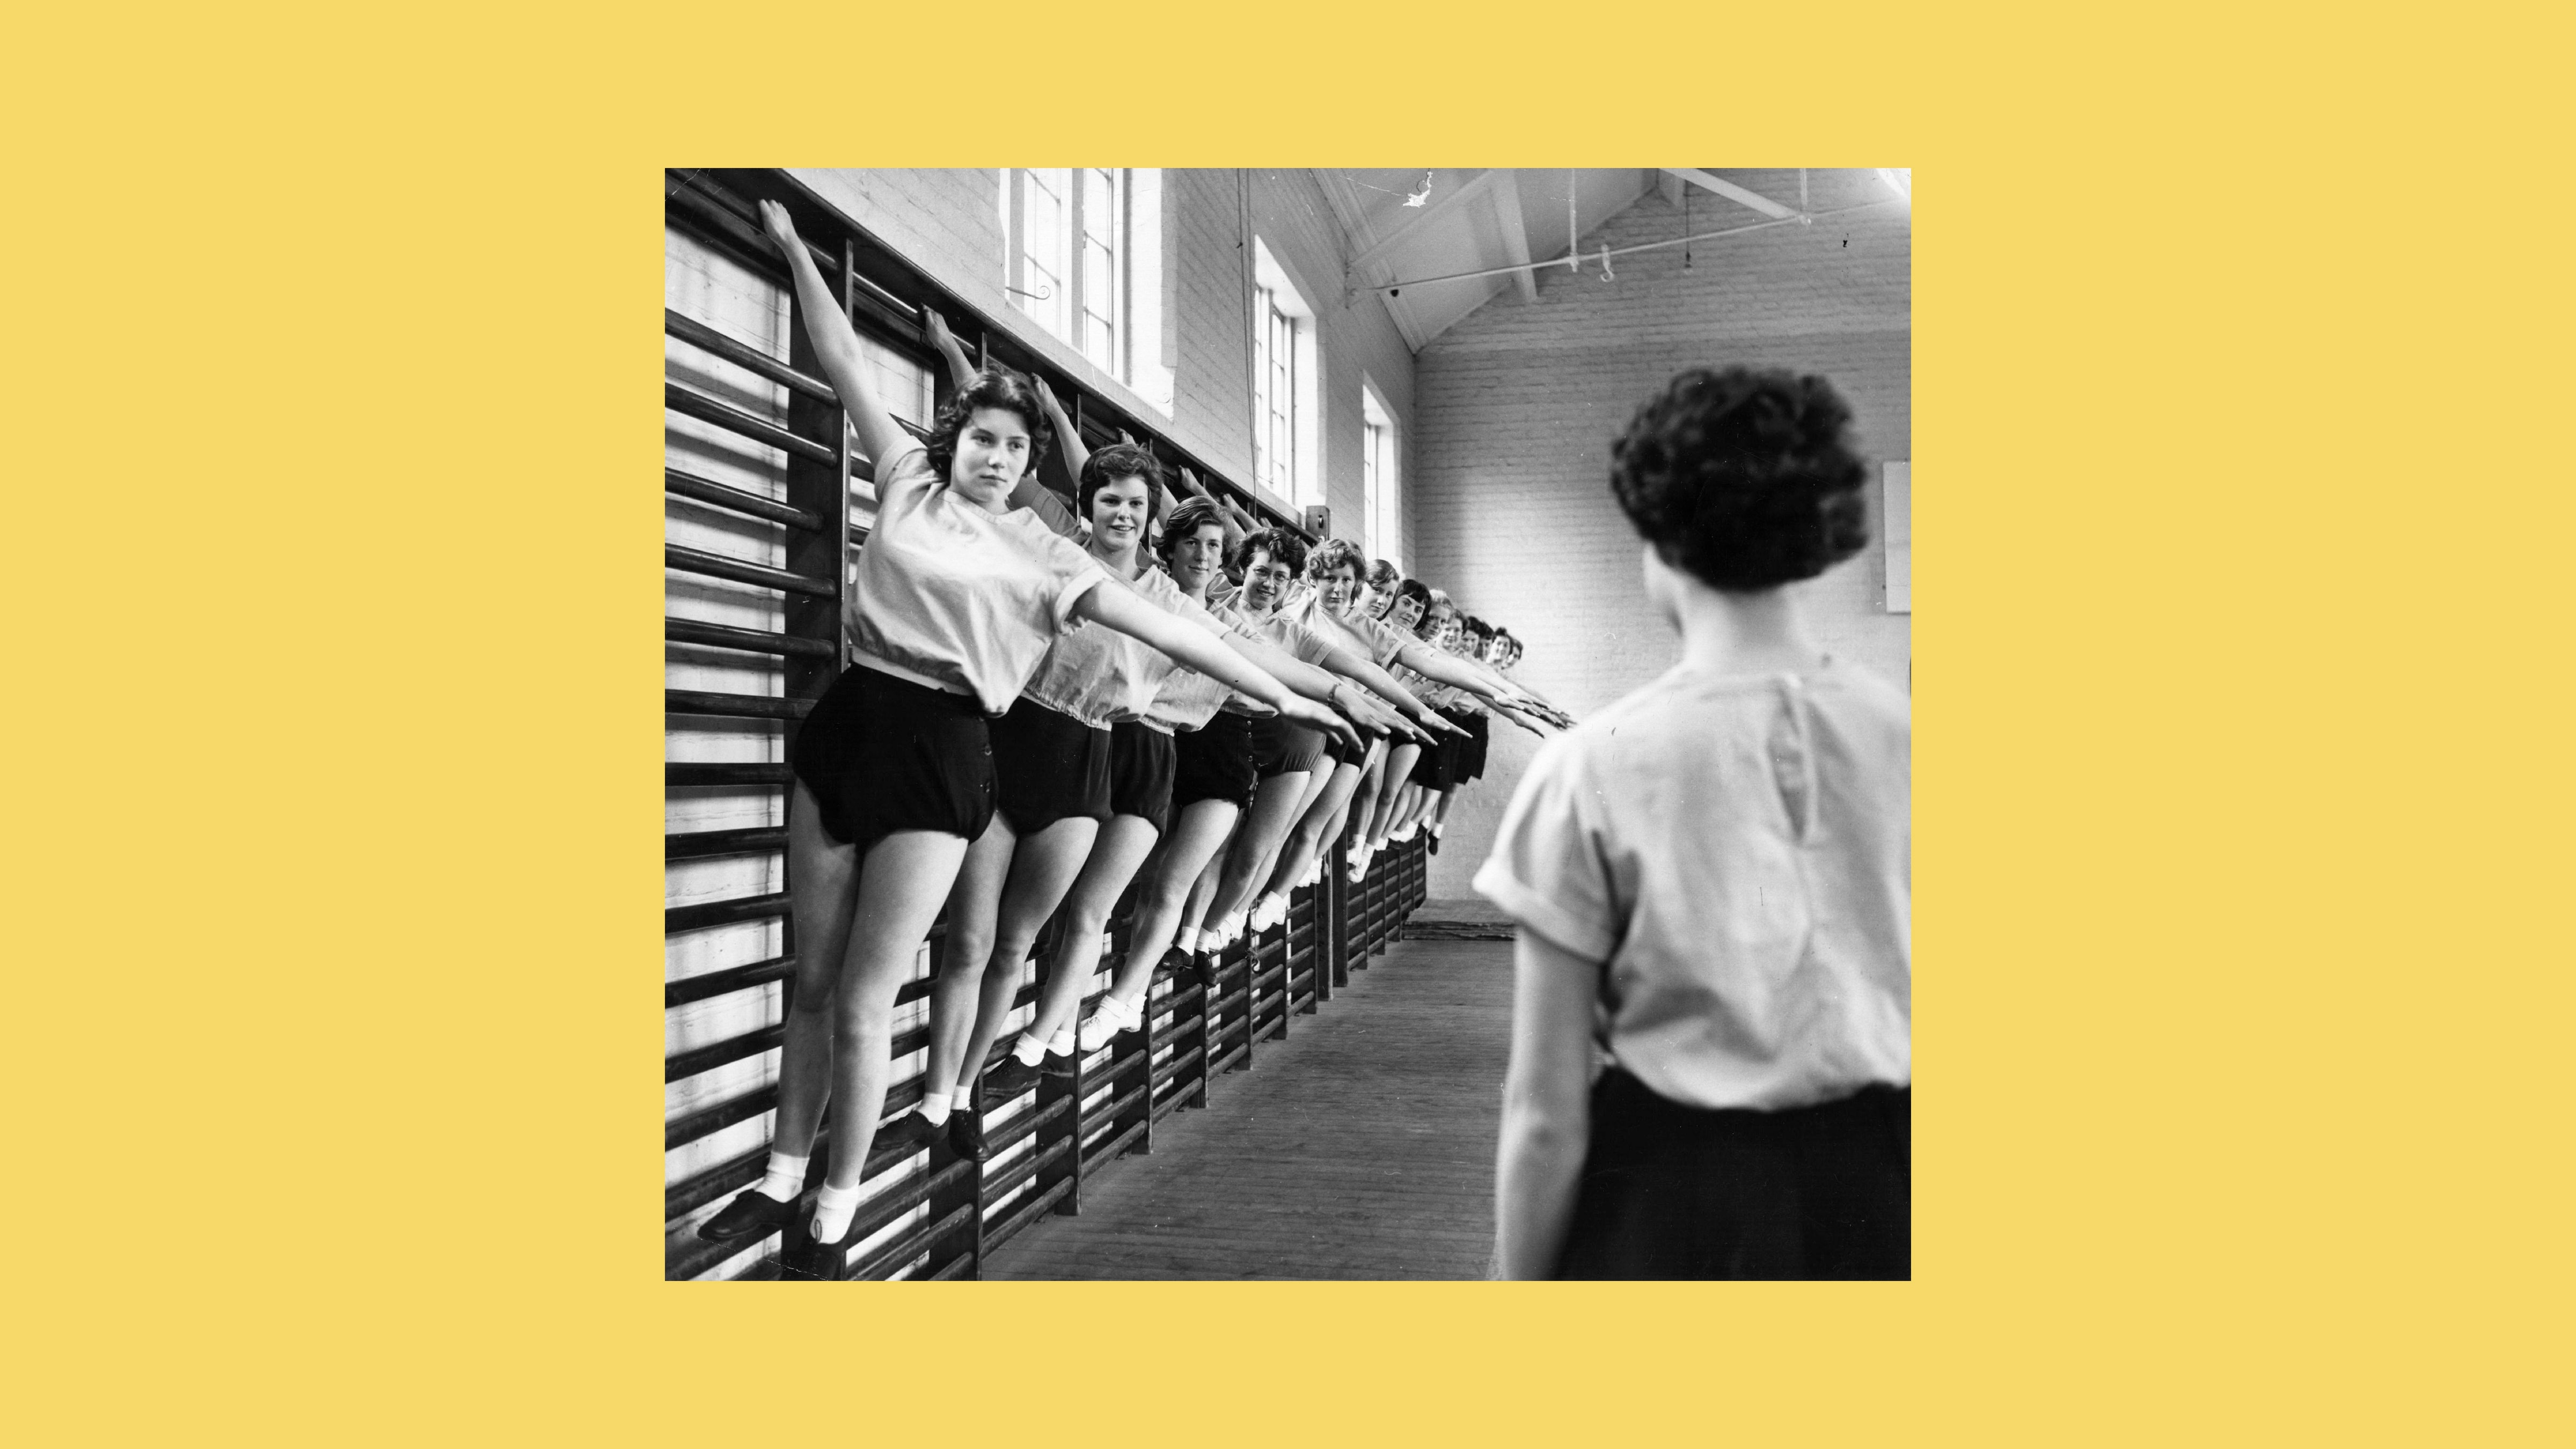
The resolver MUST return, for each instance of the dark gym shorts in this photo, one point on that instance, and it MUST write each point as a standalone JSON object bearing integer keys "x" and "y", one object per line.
{"x": 1480, "y": 729}
{"x": 1670, "y": 1191}
{"x": 1214, "y": 762}
{"x": 882, "y": 754}
{"x": 1048, "y": 766}
{"x": 1280, "y": 747}
{"x": 1140, "y": 773}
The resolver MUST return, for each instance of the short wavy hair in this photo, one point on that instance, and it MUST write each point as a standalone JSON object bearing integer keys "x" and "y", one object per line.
{"x": 994, "y": 387}
{"x": 1383, "y": 576}
{"x": 1416, "y": 590}
{"x": 1336, "y": 553}
{"x": 1745, "y": 479}
{"x": 1284, "y": 544}
{"x": 1121, "y": 460}
{"x": 1189, "y": 517}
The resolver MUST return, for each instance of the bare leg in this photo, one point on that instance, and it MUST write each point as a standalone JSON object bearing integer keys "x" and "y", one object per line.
{"x": 905, "y": 878}
{"x": 1391, "y": 798}
{"x": 1170, "y": 880}
{"x": 1372, "y": 785}
{"x": 1194, "y": 912}
{"x": 822, "y": 890}
{"x": 1121, "y": 847}
{"x": 1041, "y": 870}
{"x": 1274, "y": 810}
{"x": 1299, "y": 850}
{"x": 956, "y": 997}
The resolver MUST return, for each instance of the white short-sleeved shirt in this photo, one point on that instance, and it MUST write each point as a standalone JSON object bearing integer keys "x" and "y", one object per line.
{"x": 1103, "y": 677}
{"x": 1187, "y": 699}
{"x": 1738, "y": 852}
{"x": 1285, "y": 633}
{"x": 955, "y": 597}
{"x": 1376, "y": 642}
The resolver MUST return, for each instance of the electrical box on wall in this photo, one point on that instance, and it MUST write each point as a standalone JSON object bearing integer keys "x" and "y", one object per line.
{"x": 1319, "y": 520}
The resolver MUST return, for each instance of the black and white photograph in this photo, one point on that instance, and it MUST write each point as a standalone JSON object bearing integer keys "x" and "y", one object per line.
{"x": 1288, "y": 724}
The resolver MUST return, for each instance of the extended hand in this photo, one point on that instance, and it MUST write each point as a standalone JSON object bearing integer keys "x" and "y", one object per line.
{"x": 1315, "y": 716}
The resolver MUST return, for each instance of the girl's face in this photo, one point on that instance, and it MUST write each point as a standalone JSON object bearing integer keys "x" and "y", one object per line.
{"x": 1196, "y": 559}
{"x": 992, "y": 452}
{"x": 1118, "y": 514}
{"x": 1380, "y": 602}
{"x": 1340, "y": 589}
{"x": 1405, "y": 614}
{"x": 1265, "y": 581}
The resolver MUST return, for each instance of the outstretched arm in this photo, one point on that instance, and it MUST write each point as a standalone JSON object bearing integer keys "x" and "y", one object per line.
{"x": 1317, "y": 684}
{"x": 1449, "y": 669}
{"x": 1122, "y": 610}
{"x": 835, "y": 344}
{"x": 1343, "y": 661}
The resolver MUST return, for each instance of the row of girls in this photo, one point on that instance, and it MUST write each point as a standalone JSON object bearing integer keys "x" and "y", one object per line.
{"x": 1040, "y": 703}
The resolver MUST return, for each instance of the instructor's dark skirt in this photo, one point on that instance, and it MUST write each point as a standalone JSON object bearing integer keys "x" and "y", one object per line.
{"x": 1140, "y": 773}
{"x": 1670, "y": 1191}
{"x": 882, "y": 754}
{"x": 1050, "y": 766}
{"x": 1214, "y": 762}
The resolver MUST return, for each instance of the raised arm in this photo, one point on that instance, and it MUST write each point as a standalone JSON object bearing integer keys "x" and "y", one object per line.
{"x": 1120, "y": 609}
{"x": 834, "y": 342}
{"x": 1067, "y": 436}
{"x": 1547, "y": 1118}
{"x": 961, "y": 371}
{"x": 1226, "y": 516}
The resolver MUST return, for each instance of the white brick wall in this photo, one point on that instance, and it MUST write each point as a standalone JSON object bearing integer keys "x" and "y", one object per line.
{"x": 1516, "y": 409}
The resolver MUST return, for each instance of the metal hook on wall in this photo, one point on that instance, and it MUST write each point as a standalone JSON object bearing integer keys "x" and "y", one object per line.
{"x": 1043, "y": 295}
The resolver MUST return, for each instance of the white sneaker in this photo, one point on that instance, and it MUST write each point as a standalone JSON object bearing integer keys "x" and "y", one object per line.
{"x": 1273, "y": 910}
{"x": 1314, "y": 873}
{"x": 1109, "y": 1018}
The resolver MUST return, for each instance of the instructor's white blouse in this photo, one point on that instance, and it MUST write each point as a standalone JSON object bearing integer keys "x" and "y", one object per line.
{"x": 1738, "y": 852}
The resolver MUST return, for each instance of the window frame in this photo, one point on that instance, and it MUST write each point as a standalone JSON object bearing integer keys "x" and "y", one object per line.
{"x": 1094, "y": 214}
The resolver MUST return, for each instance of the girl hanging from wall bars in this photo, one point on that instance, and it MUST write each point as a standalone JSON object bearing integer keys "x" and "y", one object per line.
{"x": 954, "y": 601}
{"x": 1329, "y": 605}
{"x": 1083, "y": 789}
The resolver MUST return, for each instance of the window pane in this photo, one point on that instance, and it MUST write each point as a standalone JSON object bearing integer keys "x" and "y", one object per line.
{"x": 1043, "y": 245}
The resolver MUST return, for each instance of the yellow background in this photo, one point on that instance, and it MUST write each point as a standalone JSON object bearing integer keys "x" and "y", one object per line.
{"x": 333, "y": 593}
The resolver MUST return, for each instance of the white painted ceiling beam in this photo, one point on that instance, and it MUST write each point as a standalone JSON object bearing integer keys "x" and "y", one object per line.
{"x": 1733, "y": 192}
{"x": 1421, "y": 223}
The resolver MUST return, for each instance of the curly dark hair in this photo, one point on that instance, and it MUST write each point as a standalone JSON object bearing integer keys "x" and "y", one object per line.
{"x": 1744, "y": 478}
{"x": 1282, "y": 544}
{"x": 1336, "y": 553}
{"x": 994, "y": 387}
{"x": 1416, "y": 590}
{"x": 1120, "y": 460}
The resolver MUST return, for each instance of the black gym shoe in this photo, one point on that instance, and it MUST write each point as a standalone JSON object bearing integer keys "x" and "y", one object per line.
{"x": 752, "y": 1214}
{"x": 966, "y": 1134}
{"x": 908, "y": 1131}
{"x": 1008, "y": 1080}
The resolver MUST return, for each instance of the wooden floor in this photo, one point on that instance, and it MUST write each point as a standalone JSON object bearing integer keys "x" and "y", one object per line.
{"x": 1361, "y": 1147}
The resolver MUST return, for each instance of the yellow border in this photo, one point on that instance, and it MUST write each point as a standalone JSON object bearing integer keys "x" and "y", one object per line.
{"x": 334, "y": 590}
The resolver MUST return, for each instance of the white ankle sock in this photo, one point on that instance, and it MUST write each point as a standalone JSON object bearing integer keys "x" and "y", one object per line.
{"x": 934, "y": 1107}
{"x": 1062, "y": 1042}
{"x": 1187, "y": 940}
{"x": 833, "y": 1209}
{"x": 785, "y": 1179}
{"x": 1029, "y": 1050}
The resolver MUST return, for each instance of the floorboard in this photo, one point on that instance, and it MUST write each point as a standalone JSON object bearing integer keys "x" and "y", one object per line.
{"x": 1362, "y": 1147}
